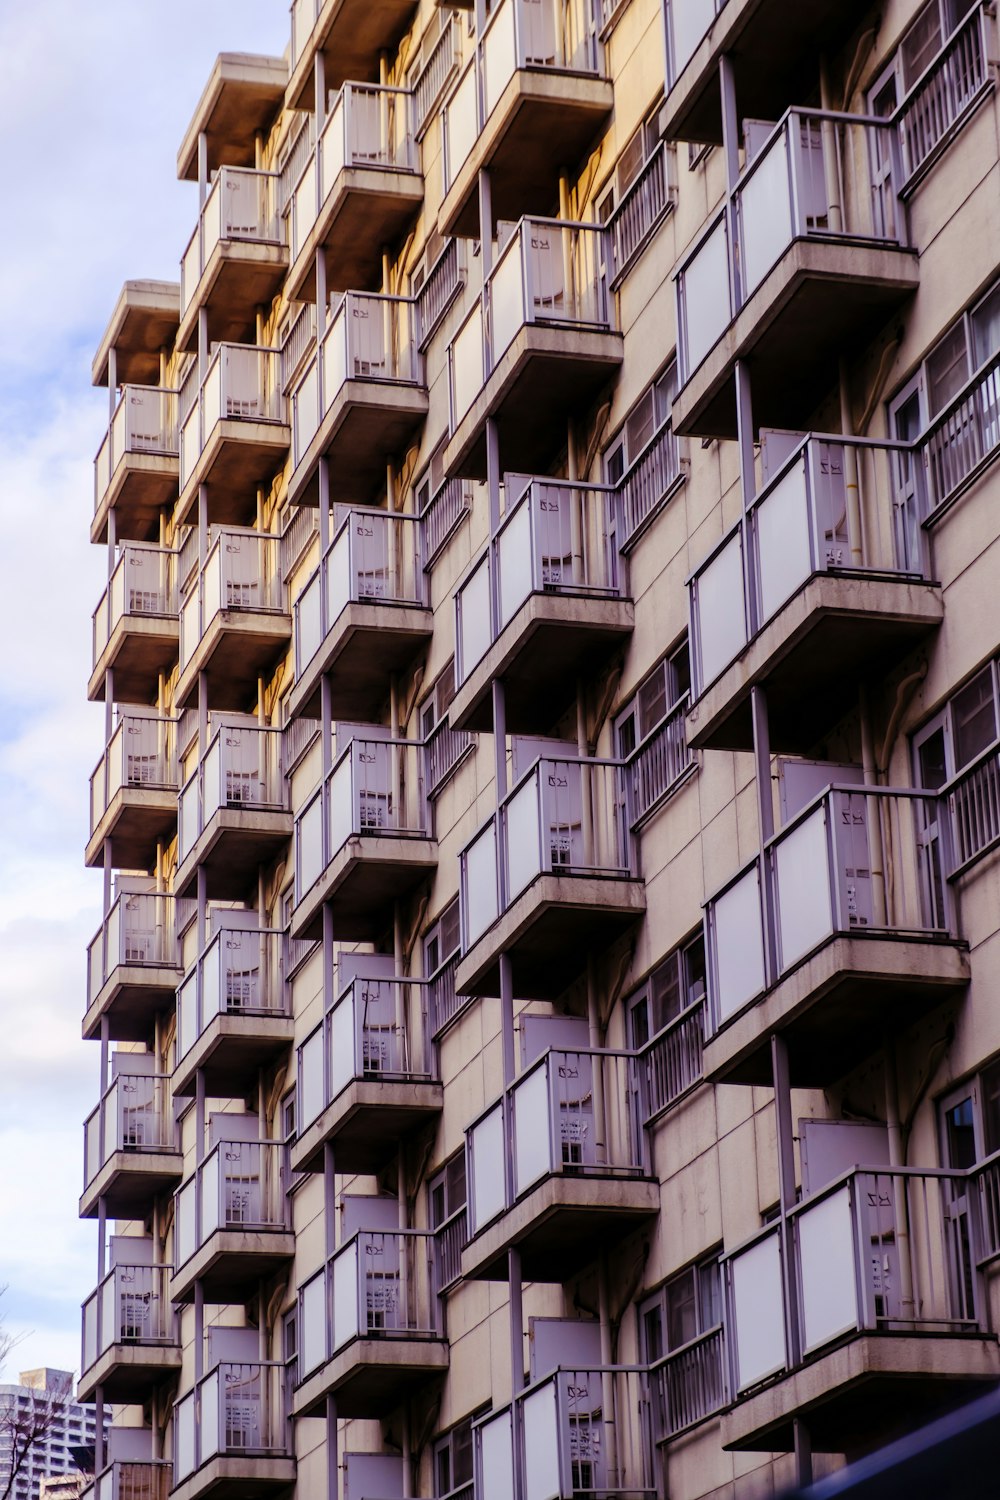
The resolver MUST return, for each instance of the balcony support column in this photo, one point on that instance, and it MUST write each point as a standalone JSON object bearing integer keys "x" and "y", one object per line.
{"x": 329, "y": 1200}
{"x": 803, "y": 1452}
{"x": 199, "y": 1330}
{"x": 112, "y": 385}
{"x": 99, "y": 1430}
{"x": 852, "y": 489}
{"x": 765, "y": 823}
{"x": 202, "y": 367}
{"x": 108, "y": 867}
{"x": 608, "y": 1405}
{"x": 731, "y": 148}
{"x": 784, "y": 1135}
{"x": 319, "y": 87}
{"x": 199, "y": 1134}
{"x": 109, "y": 729}
{"x": 332, "y": 1468}
{"x": 202, "y": 168}
{"x": 102, "y": 1230}
{"x": 323, "y": 478}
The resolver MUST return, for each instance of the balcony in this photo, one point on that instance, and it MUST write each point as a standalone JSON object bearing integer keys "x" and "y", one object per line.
{"x": 129, "y": 1149}
{"x": 233, "y": 814}
{"x": 371, "y": 1329}
{"x": 528, "y": 103}
{"x": 234, "y": 620}
{"x": 240, "y": 101}
{"x": 362, "y": 616}
{"x": 358, "y": 192}
{"x": 570, "y": 1434}
{"x": 689, "y": 1385}
{"x": 231, "y": 1436}
{"x": 234, "y": 436}
{"x": 535, "y": 348}
{"x": 350, "y": 35}
{"x": 366, "y": 1076}
{"x": 549, "y": 875}
{"x": 814, "y": 237}
{"x": 233, "y": 1016}
{"x": 236, "y": 259}
{"x": 360, "y": 399}
{"x": 231, "y": 1226}
{"x": 671, "y": 1062}
{"x": 557, "y": 1167}
{"x": 143, "y": 324}
{"x": 135, "y": 625}
{"x": 136, "y": 469}
{"x": 129, "y": 1479}
{"x": 865, "y": 938}
{"x": 363, "y": 840}
{"x": 890, "y": 1320}
{"x": 130, "y": 1341}
{"x": 546, "y": 602}
{"x": 823, "y": 584}
{"x": 133, "y": 966}
{"x": 133, "y": 793}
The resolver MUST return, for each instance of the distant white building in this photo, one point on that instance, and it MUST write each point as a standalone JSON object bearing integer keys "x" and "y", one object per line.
{"x": 73, "y": 1427}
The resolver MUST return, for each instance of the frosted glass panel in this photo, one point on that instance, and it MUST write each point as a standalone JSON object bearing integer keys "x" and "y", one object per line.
{"x": 721, "y": 623}
{"x": 689, "y": 19}
{"x": 500, "y": 55}
{"x": 532, "y": 1129}
{"x": 184, "y": 1436}
{"x": 475, "y": 629}
{"x": 704, "y": 292}
{"x": 342, "y": 1046}
{"x": 312, "y": 1335}
{"x": 506, "y": 298}
{"x": 496, "y": 1448}
{"x": 338, "y": 575}
{"x": 488, "y": 1196}
{"x": 826, "y": 1256}
{"x": 802, "y": 873}
{"x": 739, "y": 944}
{"x": 310, "y": 846}
{"x": 345, "y": 1295}
{"x": 460, "y": 122}
{"x": 481, "y": 882}
{"x": 784, "y": 553}
{"x": 184, "y": 1224}
{"x": 515, "y": 562}
{"x": 467, "y": 364}
{"x": 305, "y": 412}
{"x": 524, "y": 860}
{"x": 766, "y": 213}
{"x": 759, "y": 1312}
{"x": 210, "y": 1425}
{"x": 311, "y": 1102}
{"x": 541, "y": 1448}
{"x": 210, "y": 1196}
{"x": 341, "y": 803}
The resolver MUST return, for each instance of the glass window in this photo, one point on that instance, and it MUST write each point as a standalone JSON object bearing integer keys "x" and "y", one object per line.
{"x": 453, "y": 1458}
{"x": 974, "y": 718}
{"x": 990, "y": 1081}
{"x": 447, "y": 1190}
{"x": 675, "y": 985}
{"x": 685, "y": 1307}
{"x": 986, "y": 328}
{"x": 444, "y": 938}
{"x": 947, "y": 368}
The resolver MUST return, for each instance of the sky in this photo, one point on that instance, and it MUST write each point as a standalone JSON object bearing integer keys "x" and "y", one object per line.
{"x": 94, "y": 102}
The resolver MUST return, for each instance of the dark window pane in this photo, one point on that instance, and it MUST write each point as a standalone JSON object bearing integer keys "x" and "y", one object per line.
{"x": 960, "y": 1132}
{"x": 974, "y": 717}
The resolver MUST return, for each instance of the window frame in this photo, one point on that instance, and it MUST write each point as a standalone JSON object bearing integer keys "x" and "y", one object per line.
{"x": 702, "y": 1270}
{"x": 661, "y": 391}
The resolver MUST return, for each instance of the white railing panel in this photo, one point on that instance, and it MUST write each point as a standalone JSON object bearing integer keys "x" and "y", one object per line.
{"x": 759, "y": 1311}
{"x": 826, "y": 1247}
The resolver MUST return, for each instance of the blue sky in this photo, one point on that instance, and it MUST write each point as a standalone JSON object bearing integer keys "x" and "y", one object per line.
{"x": 94, "y": 101}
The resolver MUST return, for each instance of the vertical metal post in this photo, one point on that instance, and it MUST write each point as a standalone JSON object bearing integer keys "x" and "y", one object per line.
{"x": 331, "y": 1448}
{"x": 765, "y": 822}
{"x": 199, "y": 1330}
{"x": 112, "y": 389}
{"x": 99, "y": 1430}
{"x": 202, "y": 167}
{"x": 784, "y": 1133}
{"x": 329, "y": 1200}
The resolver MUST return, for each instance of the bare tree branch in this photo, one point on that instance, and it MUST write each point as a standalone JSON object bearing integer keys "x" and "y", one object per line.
{"x": 25, "y": 1419}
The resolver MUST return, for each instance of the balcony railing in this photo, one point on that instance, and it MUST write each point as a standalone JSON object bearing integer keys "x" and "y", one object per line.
{"x": 377, "y": 1286}
{"x": 518, "y": 34}
{"x": 145, "y": 421}
{"x": 795, "y": 187}
{"x": 570, "y": 1114}
{"x": 375, "y": 787}
{"x": 297, "y": 340}
{"x": 874, "y": 1252}
{"x": 375, "y": 557}
{"x": 377, "y": 1030}
{"x": 854, "y": 860}
{"x": 236, "y": 1411}
{"x": 829, "y": 510}
{"x": 242, "y": 384}
{"x": 140, "y": 931}
{"x": 445, "y": 1002}
{"x": 238, "y": 974}
{"x": 130, "y": 1306}
{"x": 450, "y": 1239}
{"x": 973, "y": 801}
{"x": 576, "y": 1433}
{"x": 557, "y": 538}
{"x": 370, "y": 337}
{"x": 647, "y": 480}
{"x": 240, "y": 769}
{"x": 130, "y": 1480}
{"x": 551, "y": 273}
{"x": 133, "y": 1116}
{"x": 689, "y": 1384}
{"x": 141, "y": 756}
{"x": 436, "y": 73}
{"x": 961, "y": 438}
{"x": 242, "y": 575}
{"x": 657, "y": 763}
{"x": 242, "y": 204}
{"x": 443, "y": 282}
{"x": 671, "y": 1062}
{"x": 687, "y": 21}
{"x": 642, "y": 207}
{"x": 564, "y": 817}
{"x": 943, "y": 92}
{"x": 449, "y": 504}
{"x": 239, "y": 1186}
{"x": 446, "y": 748}
{"x": 143, "y": 584}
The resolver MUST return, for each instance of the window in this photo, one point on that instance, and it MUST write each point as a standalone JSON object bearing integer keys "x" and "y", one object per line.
{"x": 445, "y": 747}
{"x": 643, "y": 459}
{"x": 666, "y": 1026}
{"x": 441, "y": 949}
{"x": 672, "y": 988}
{"x": 964, "y": 728}
{"x": 684, "y": 1308}
{"x": 290, "y": 1353}
{"x": 926, "y": 36}
{"x": 651, "y": 734}
{"x": 453, "y": 1457}
{"x": 640, "y": 191}
{"x": 447, "y": 1191}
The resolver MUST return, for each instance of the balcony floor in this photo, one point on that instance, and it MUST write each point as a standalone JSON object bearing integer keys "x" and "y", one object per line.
{"x": 142, "y": 485}
{"x": 129, "y": 1181}
{"x": 143, "y": 323}
{"x": 241, "y": 275}
{"x": 367, "y": 208}
{"x": 560, "y": 1226}
{"x": 360, "y": 884}
{"x": 366, "y": 1124}
{"x": 548, "y": 930}
{"x": 350, "y": 34}
{"x": 841, "y": 291}
{"x": 242, "y": 1477}
{"x": 365, "y": 646}
{"x": 367, "y": 423}
{"x": 135, "y": 820}
{"x": 546, "y": 375}
{"x": 539, "y": 656}
{"x": 836, "y": 630}
{"x": 236, "y": 842}
{"x": 232, "y": 1263}
{"x": 237, "y": 647}
{"x": 140, "y": 648}
{"x": 131, "y": 997}
{"x": 231, "y": 1051}
{"x": 835, "y": 1006}
{"x": 370, "y": 1377}
{"x": 238, "y": 456}
{"x": 129, "y": 1372}
{"x": 544, "y": 120}
{"x": 867, "y": 1390}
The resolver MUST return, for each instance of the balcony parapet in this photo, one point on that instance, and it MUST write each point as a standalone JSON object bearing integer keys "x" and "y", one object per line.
{"x": 233, "y": 1013}
{"x": 136, "y": 468}
{"x": 234, "y": 434}
{"x": 129, "y": 1334}
{"x": 133, "y": 966}
{"x": 236, "y": 257}
{"x": 129, "y": 1146}
{"x": 134, "y": 627}
{"x": 231, "y": 1434}
{"x": 234, "y": 811}
{"x": 133, "y": 792}
{"x": 231, "y": 1226}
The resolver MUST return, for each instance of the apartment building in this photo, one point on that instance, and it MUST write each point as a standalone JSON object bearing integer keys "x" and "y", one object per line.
{"x": 547, "y": 1032}
{"x": 42, "y": 1429}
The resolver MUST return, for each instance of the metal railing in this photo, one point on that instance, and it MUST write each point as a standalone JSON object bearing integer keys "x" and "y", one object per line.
{"x": 141, "y": 756}
{"x": 564, "y": 817}
{"x": 132, "y": 1480}
{"x": 647, "y": 481}
{"x": 831, "y": 508}
{"x": 130, "y": 1306}
{"x": 133, "y": 1115}
{"x": 239, "y": 973}
{"x": 242, "y": 204}
{"x": 853, "y": 860}
{"x": 449, "y": 504}
{"x": 943, "y": 92}
{"x": 642, "y": 206}
{"x": 139, "y": 931}
{"x": 671, "y": 1062}
{"x": 658, "y": 762}
{"x": 444, "y": 1001}
{"x": 551, "y": 272}
{"x": 961, "y": 438}
{"x": 557, "y": 537}
{"x": 242, "y": 575}
{"x": 374, "y": 557}
{"x": 242, "y": 384}
{"x": 241, "y": 768}
{"x": 443, "y": 282}
{"x": 436, "y": 73}
{"x": 450, "y": 1238}
{"x": 689, "y": 1384}
{"x": 144, "y": 421}
{"x": 445, "y": 748}
{"x": 237, "y": 1410}
{"x": 296, "y": 342}
{"x": 239, "y": 1186}
{"x": 301, "y": 526}
{"x": 973, "y": 802}
{"x": 377, "y": 1286}
{"x": 569, "y": 1114}
{"x": 376, "y": 1030}
{"x": 374, "y": 788}
{"x": 143, "y": 584}
{"x": 687, "y": 22}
